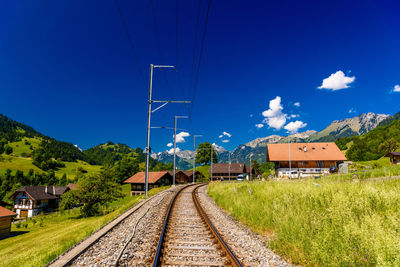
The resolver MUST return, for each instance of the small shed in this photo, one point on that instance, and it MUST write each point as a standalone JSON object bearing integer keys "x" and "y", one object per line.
{"x": 394, "y": 157}
{"x": 5, "y": 221}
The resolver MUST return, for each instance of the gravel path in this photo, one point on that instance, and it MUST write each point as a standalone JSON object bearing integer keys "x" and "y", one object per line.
{"x": 141, "y": 230}
{"x": 247, "y": 245}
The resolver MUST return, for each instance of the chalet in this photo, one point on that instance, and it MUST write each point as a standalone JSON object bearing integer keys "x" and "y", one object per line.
{"x": 180, "y": 177}
{"x": 304, "y": 159}
{"x": 226, "y": 171}
{"x": 394, "y": 157}
{"x": 198, "y": 175}
{"x": 5, "y": 221}
{"x": 31, "y": 200}
{"x": 156, "y": 179}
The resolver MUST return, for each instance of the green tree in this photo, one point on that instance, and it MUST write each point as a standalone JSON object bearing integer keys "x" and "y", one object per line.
{"x": 203, "y": 155}
{"x": 8, "y": 150}
{"x": 256, "y": 166}
{"x": 389, "y": 145}
{"x": 266, "y": 167}
{"x": 69, "y": 200}
{"x": 94, "y": 191}
{"x": 64, "y": 180}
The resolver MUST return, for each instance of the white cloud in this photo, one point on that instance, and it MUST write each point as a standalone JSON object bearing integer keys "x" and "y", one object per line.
{"x": 352, "y": 110}
{"x": 225, "y": 141}
{"x": 259, "y": 125}
{"x": 180, "y": 137}
{"x": 221, "y": 136}
{"x": 337, "y": 81}
{"x": 226, "y": 134}
{"x": 294, "y": 116}
{"x": 296, "y": 104}
{"x": 169, "y": 144}
{"x": 171, "y": 151}
{"x": 274, "y": 116}
{"x": 396, "y": 88}
{"x": 78, "y": 147}
{"x": 293, "y": 127}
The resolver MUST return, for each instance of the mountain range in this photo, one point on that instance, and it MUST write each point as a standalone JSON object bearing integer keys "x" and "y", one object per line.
{"x": 257, "y": 148}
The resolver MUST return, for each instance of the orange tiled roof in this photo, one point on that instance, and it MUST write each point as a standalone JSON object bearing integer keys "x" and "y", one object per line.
{"x": 140, "y": 177}
{"x": 304, "y": 152}
{"x": 5, "y": 212}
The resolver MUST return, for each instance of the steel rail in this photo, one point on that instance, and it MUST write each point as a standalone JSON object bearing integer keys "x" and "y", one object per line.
{"x": 157, "y": 256}
{"x": 224, "y": 246}
{"x": 232, "y": 257}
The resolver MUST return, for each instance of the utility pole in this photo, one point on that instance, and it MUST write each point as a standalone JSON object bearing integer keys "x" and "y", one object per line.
{"x": 194, "y": 156}
{"x": 229, "y": 165}
{"x": 290, "y": 163}
{"x": 149, "y": 111}
{"x": 211, "y": 163}
{"x": 176, "y": 118}
{"x": 251, "y": 154}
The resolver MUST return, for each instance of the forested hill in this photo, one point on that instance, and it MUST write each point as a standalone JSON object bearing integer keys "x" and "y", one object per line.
{"x": 109, "y": 153}
{"x": 390, "y": 119}
{"x": 374, "y": 144}
{"x": 12, "y": 131}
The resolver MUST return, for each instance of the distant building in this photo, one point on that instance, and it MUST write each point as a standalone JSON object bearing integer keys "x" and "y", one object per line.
{"x": 31, "y": 200}
{"x": 226, "y": 172}
{"x": 304, "y": 159}
{"x": 180, "y": 177}
{"x": 156, "y": 179}
{"x": 394, "y": 157}
{"x": 189, "y": 174}
{"x": 5, "y": 221}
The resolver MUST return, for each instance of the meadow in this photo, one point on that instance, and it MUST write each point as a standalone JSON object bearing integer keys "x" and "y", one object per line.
{"x": 320, "y": 222}
{"x": 42, "y": 238}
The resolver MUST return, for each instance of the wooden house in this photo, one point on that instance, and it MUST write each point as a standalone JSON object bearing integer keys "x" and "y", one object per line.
{"x": 304, "y": 159}
{"x": 226, "y": 171}
{"x": 394, "y": 157}
{"x": 180, "y": 177}
{"x": 156, "y": 179}
{"x": 31, "y": 200}
{"x": 5, "y": 221}
{"x": 198, "y": 175}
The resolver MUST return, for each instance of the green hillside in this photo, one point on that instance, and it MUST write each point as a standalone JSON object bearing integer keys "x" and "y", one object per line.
{"x": 374, "y": 144}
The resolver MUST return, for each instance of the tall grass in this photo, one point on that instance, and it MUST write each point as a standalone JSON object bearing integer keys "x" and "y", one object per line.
{"x": 47, "y": 236}
{"x": 324, "y": 224}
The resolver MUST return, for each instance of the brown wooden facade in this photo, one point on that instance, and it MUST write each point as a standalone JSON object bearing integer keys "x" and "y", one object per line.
{"x": 306, "y": 164}
{"x": 6, "y": 217}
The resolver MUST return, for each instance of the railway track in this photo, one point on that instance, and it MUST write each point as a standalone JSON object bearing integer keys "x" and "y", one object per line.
{"x": 188, "y": 237}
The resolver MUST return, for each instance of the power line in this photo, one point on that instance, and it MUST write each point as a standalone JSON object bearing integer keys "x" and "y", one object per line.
{"x": 153, "y": 13}
{"x": 131, "y": 43}
{"x": 200, "y": 57}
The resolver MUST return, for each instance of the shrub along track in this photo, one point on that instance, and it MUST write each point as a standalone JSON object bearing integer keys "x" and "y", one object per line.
{"x": 188, "y": 237}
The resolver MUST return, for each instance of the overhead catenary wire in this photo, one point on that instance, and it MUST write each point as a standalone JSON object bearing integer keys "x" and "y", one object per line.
{"x": 131, "y": 44}
{"x": 199, "y": 61}
{"x": 164, "y": 76}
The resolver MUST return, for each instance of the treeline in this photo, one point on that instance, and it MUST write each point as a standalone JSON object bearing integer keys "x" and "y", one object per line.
{"x": 374, "y": 144}
{"x": 10, "y": 182}
{"x": 13, "y": 131}
{"x": 109, "y": 153}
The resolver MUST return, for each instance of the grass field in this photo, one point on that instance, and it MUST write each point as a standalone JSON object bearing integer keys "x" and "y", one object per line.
{"x": 50, "y": 235}
{"x": 15, "y": 163}
{"x": 369, "y": 169}
{"x": 326, "y": 223}
{"x": 20, "y": 148}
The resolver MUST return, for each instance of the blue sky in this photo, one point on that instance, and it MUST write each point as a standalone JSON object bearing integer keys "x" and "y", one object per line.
{"x": 66, "y": 68}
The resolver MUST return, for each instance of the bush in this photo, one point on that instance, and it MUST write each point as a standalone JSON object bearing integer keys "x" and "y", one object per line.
{"x": 8, "y": 150}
